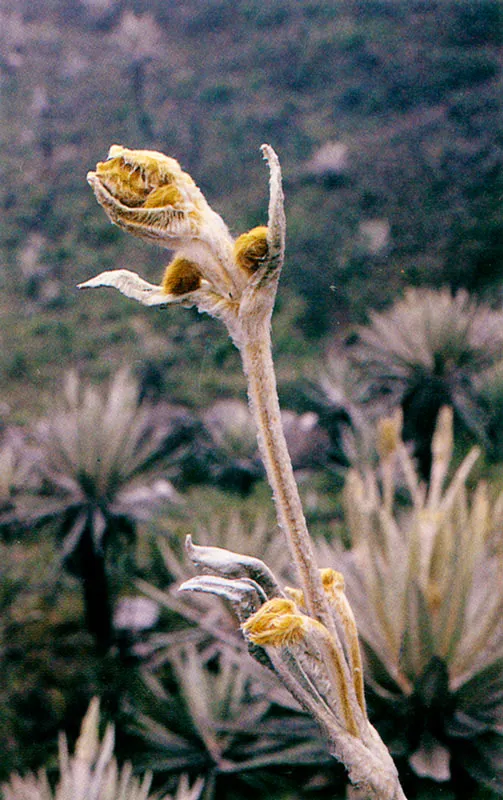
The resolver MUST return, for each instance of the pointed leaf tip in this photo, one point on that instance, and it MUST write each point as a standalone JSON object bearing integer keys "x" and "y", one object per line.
{"x": 129, "y": 284}
{"x": 268, "y": 152}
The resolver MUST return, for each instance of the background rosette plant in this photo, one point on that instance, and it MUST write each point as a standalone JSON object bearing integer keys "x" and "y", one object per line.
{"x": 92, "y": 773}
{"x": 91, "y": 459}
{"x": 425, "y": 584}
{"x": 429, "y": 349}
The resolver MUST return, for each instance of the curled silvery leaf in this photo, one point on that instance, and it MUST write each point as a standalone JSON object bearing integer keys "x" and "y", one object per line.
{"x": 218, "y": 561}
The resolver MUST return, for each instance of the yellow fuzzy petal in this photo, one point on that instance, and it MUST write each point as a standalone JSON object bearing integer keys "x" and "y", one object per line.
{"x": 163, "y": 196}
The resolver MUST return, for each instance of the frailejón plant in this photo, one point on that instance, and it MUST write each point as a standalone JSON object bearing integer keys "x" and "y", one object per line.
{"x": 227, "y": 719}
{"x": 430, "y": 349}
{"x": 425, "y": 585}
{"x": 92, "y": 453}
{"x": 92, "y": 772}
{"x": 309, "y": 637}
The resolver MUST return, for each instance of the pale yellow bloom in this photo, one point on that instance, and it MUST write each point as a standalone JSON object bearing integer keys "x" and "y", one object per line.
{"x": 277, "y": 623}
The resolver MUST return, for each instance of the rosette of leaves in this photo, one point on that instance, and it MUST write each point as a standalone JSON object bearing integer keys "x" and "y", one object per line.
{"x": 425, "y": 585}
{"x": 92, "y": 772}
{"x": 95, "y": 449}
{"x": 225, "y": 453}
{"x": 335, "y": 399}
{"x": 233, "y": 433}
{"x": 186, "y": 443}
{"x": 430, "y": 349}
{"x": 227, "y": 721}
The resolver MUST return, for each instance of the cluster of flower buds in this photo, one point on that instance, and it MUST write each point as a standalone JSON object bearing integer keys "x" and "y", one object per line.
{"x": 149, "y": 195}
{"x": 323, "y": 673}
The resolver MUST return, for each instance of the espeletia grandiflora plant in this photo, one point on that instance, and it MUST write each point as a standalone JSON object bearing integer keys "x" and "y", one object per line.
{"x": 308, "y": 636}
{"x": 93, "y": 454}
{"x": 424, "y": 577}
{"x": 429, "y": 349}
{"x": 91, "y": 773}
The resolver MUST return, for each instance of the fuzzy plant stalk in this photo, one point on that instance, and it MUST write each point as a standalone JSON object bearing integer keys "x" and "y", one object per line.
{"x": 306, "y": 635}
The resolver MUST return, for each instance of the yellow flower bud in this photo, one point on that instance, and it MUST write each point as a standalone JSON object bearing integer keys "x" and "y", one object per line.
{"x": 142, "y": 178}
{"x": 251, "y": 248}
{"x": 332, "y": 580}
{"x": 333, "y": 584}
{"x": 277, "y": 623}
{"x": 181, "y": 276}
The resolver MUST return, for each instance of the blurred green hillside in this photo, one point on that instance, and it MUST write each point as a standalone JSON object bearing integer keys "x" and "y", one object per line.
{"x": 387, "y": 118}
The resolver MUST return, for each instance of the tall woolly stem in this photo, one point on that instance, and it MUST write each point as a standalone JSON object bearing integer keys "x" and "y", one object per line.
{"x": 236, "y": 282}
{"x": 258, "y": 366}
{"x": 380, "y": 780}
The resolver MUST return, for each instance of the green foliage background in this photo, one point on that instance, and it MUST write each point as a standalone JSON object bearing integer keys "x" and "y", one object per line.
{"x": 412, "y": 90}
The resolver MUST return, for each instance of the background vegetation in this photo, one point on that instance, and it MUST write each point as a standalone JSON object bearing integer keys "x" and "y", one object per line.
{"x": 388, "y": 121}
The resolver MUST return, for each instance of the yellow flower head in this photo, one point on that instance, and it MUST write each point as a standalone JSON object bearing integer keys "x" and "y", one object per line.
{"x": 147, "y": 193}
{"x": 277, "y": 624}
{"x": 251, "y": 248}
{"x": 181, "y": 276}
{"x": 332, "y": 580}
{"x": 132, "y": 176}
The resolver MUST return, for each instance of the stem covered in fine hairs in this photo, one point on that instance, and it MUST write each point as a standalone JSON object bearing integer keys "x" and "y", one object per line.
{"x": 369, "y": 765}
{"x": 259, "y": 370}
